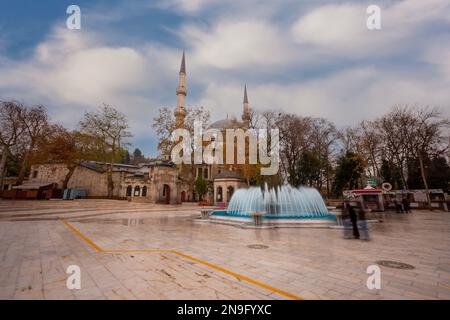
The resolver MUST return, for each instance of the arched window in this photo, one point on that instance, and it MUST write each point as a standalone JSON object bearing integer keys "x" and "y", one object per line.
{"x": 129, "y": 191}
{"x": 230, "y": 191}
{"x": 219, "y": 196}
{"x": 144, "y": 191}
{"x": 137, "y": 191}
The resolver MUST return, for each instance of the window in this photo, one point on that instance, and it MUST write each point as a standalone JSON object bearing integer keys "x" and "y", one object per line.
{"x": 199, "y": 172}
{"x": 137, "y": 191}
{"x": 35, "y": 174}
{"x": 129, "y": 191}
{"x": 205, "y": 173}
{"x": 230, "y": 191}
{"x": 219, "y": 194}
{"x": 144, "y": 191}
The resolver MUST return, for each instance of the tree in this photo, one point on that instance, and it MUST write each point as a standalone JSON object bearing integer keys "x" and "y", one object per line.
{"x": 164, "y": 125}
{"x": 11, "y": 128}
{"x": 439, "y": 174}
{"x": 138, "y": 157}
{"x": 307, "y": 170}
{"x": 201, "y": 186}
{"x": 108, "y": 129}
{"x": 349, "y": 172}
{"x": 36, "y": 124}
{"x": 126, "y": 159}
{"x": 426, "y": 138}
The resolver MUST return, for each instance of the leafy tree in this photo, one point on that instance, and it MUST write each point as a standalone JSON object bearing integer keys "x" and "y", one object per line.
{"x": 307, "y": 170}
{"x": 126, "y": 159}
{"x": 349, "y": 171}
{"x": 138, "y": 157}
{"x": 201, "y": 186}
{"x": 439, "y": 174}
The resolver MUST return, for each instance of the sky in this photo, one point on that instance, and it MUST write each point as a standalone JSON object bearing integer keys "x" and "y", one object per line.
{"x": 308, "y": 57}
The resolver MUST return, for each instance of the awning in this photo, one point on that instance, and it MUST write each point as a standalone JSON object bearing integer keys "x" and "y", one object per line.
{"x": 33, "y": 186}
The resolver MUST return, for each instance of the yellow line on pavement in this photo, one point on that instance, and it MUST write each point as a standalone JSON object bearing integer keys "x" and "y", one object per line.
{"x": 265, "y": 286}
{"x": 231, "y": 273}
{"x": 82, "y": 236}
{"x": 136, "y": 250}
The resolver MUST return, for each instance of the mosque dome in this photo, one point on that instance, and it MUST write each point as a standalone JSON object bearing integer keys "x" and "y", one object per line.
{"x": 226, "y": 124}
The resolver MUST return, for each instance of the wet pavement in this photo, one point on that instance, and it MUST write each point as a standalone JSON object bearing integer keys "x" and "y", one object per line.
{"x": 143, "y": 251}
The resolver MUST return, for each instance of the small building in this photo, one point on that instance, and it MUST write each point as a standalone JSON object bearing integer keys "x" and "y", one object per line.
{"x": 225, "y": 183}
{"x": 35, "y": 191}
{"x": 373, "y": 198}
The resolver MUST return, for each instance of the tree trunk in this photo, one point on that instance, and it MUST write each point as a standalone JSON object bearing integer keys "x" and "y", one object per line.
{"x": 110, "y": 181}
{"x": 23, "y": 168}
{"x": 5, "y": 153}
{"x": 68, "y": 176}
{"x": 424, "y": 179}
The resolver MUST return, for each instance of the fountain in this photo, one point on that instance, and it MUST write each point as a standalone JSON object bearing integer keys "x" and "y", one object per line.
{"x": 284, "y": 204}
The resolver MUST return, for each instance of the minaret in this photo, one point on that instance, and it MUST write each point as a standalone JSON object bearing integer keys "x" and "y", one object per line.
{"x": 246, "y": 111}
{"x": 180, "y": 112}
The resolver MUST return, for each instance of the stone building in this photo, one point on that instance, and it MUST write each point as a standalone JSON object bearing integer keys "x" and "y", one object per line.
{"x": 158, "y": 181}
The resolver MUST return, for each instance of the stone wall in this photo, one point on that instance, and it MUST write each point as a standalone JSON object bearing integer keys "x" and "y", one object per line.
{"x": 83, "y": 178}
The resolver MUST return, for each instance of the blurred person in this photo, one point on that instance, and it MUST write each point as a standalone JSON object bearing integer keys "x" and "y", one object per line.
{"x": 406, "y": 205}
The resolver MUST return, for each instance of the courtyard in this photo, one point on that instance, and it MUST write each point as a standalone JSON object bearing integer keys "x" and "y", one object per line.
{"x": 128, "y": 250}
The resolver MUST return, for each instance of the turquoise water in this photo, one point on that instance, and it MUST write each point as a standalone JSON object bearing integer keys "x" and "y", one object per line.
{"x": 246, "y": 215}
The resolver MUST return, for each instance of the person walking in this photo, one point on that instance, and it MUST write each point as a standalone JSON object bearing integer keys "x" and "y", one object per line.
{"x": 406, "y": 205}
{"x": 354, "y": 219}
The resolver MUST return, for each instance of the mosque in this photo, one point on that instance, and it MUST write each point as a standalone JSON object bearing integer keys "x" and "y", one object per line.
{"x": 160, "y": 180}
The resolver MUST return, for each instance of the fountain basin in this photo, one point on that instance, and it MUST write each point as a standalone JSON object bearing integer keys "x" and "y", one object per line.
{"x": 246, "y": 220}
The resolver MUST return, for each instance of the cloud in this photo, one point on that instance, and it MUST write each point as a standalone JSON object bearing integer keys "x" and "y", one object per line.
{"x": 341, "y": 28}
{"x": 237, "y": 44}
{"x": 308, "y": 59}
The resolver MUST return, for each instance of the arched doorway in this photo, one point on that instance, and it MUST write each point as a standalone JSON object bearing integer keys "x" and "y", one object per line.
{"x": 144, "y": 191}
{"x": 137, "y": 191}
{"x": 129, "y": 191}
{"x": 183, "y": 196}
{"x": 219, "y": 197}
{"x": 230, "y": 191}
{"x": 166, "y": 193}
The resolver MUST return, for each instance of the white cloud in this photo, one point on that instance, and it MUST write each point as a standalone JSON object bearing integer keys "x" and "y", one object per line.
{"x": 345, "y": 97}
{"x": 291, "y": 65}
{"x": 235, "y": 44}
{"x": 341, "y": 28}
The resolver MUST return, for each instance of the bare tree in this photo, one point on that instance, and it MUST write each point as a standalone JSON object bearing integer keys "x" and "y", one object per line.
{"x": 428, "y": 138}
{"x": 35, "y": 122}
{"x": 108, "y": 127}
{"x": 11, "y": 128}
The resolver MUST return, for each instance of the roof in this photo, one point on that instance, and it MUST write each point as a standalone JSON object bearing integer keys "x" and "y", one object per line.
{"x": 183, "y": 65}
{"x": 245, "y": 94}
{"x": 229, "y": 175}
{"x": 367, "y": 191}
{"x": 33, "y": 186}
{"x": 226, "y": 124}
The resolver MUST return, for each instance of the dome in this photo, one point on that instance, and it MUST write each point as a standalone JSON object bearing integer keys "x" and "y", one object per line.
{"x": 226, "y": 124}
{"x": 227, "y": 174}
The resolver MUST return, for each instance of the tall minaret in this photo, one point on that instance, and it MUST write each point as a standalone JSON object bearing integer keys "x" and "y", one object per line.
{"x": 180, "y": 112}
{"x": 246, "y": 112}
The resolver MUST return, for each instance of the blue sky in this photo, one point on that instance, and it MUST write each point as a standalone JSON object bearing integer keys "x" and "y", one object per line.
{"x": 313, "y": 58}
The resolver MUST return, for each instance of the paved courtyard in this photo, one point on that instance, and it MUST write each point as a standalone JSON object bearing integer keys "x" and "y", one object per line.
{"x": 142, "y": 251}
